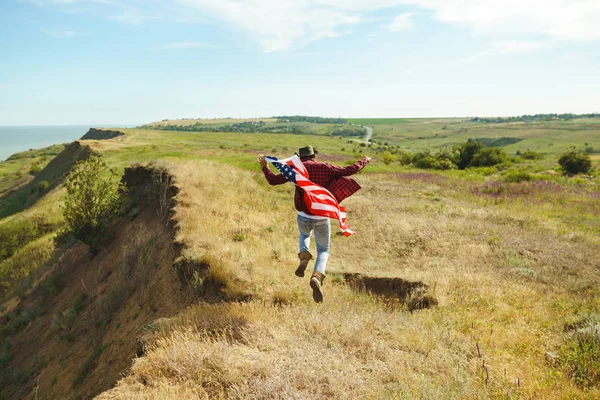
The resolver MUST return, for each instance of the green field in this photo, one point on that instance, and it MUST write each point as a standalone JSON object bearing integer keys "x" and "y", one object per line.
{"x": 291, "y": 125}
{"x": 550, "y": 138}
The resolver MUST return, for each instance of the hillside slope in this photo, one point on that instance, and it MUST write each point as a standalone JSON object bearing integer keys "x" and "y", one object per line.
{"x": 86, "y": 315}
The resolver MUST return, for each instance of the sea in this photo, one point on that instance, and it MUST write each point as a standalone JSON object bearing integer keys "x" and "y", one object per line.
{"x": 14, "y": 139}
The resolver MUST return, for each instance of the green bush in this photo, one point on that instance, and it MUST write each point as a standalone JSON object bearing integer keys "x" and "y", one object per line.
{"x": 449, "y": 155}
{"x": 531, "y": 155}
{"x": 17, "y": 233}
{"x": 444, "y": 164}
{"x": 488, "y": 157}
{"x": 388, "y": 157}
{"x": 24, "y": 262}
{"x": 427, "y": 162}
{"x": 517, "y": 176}
{"x": 466, "y": 152}
{"x": 404, "y": 157}
{"x": 35, "y": 169}
{"x": 93, "y": 200}
{"x": 442, "y": 160}
{"x": 575, "y": 162}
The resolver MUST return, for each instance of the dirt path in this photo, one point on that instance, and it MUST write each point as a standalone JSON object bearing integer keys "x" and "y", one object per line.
{"x": 369, "y": 133}
{"x": 367, "y": 138}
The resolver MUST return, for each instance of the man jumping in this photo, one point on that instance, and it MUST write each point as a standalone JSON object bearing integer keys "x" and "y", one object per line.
{"x": 333, "y": 179}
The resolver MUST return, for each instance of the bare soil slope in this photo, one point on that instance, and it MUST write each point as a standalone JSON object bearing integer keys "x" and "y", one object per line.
{"x": 91, "y": 310}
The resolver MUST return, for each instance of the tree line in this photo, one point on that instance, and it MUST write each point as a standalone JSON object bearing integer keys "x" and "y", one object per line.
{"x": 241, "y": 127}
{"x": 314, "y": 120}
{"x": 534, "y": 118}
{"x": 260, "y": 126}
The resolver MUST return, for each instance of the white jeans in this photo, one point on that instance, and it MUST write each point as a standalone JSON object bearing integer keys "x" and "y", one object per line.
{"x": 322, "y": 229}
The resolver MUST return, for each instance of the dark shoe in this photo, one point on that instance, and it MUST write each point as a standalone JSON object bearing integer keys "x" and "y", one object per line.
{"x": 316, "y": 283}
{"x": 304, "y": 257}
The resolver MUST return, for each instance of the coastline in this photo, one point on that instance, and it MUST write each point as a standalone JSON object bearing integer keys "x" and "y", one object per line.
{"x": 16, "y": 139}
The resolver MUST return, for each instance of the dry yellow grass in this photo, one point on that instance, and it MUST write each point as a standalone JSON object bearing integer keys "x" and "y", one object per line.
{"x": 506, "y": 283}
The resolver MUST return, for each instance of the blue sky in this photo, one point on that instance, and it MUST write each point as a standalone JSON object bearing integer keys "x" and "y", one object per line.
{"x": 136, "y": 61}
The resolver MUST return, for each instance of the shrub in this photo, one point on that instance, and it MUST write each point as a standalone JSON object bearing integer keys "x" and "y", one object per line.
{"x": 43, "y": 186}
{"x": 388, "y": 158}
{"x": 444, "y": 164}
{"x": 466, "y": 152}
{"x": 424, "y": 161}
{"x": 17, "y": 233}
{"x": 518, "y": 176}
{"x": 24, "y": 262}
{"x": 531, "y": 155}
{"x": 440, "y": 160}
{"x": 404, "y": 157}
{"x": 451, "y": 156}
{"x": 93, "y": 199}
{"x": 488, "y": 157}
{"x": 35, "y": 169}
{"x": 575, "y": 162}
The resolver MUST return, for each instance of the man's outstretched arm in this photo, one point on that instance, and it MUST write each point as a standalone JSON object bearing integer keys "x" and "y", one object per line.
{"x": 273, "y": 179}
{"x": 351, "y": 169}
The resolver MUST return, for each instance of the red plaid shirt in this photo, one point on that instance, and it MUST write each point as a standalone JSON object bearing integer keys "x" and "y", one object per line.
{"x": 329, "y": 176}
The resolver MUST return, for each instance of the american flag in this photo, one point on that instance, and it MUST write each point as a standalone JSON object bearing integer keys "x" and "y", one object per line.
{"x": 319, "y": 200}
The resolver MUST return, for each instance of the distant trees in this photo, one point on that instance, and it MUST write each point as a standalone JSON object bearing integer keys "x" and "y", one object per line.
{"x": 533, "y": 118}
{"x": 241, "y": 127}
{"x": 93, "y": 199}
{"x": 348, "y": 130}
{"x": 314, "y": 120}
{"x": 575, "y": 162}
{"x": 292, "y": 124}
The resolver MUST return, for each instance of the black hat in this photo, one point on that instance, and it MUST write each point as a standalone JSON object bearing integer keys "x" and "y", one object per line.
{"x": 307, "y": 151}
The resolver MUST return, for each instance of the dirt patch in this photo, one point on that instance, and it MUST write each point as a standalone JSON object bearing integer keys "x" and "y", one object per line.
{"x": 75, "y": 334}
{"x": 414, "y": 294}
{"x": 101, "y": 134}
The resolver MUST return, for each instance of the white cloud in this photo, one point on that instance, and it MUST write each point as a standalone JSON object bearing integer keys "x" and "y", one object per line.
{"x": 128, "y": 17}
{"x": 519, "y": 46}
{"x": 509, "y": 47}
{"x": 280, "y": 24}
{"x": 277, "y": 25}
{"x": 185, "y": 45}
{"x": 402, "y": 22}
{"x": 59, "y": 33}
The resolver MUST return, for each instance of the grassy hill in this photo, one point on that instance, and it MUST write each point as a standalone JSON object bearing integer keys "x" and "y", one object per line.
{"x": 547, "y": 137}
{"x": 285, "y": 124}
{"x": 510, "y": 269}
